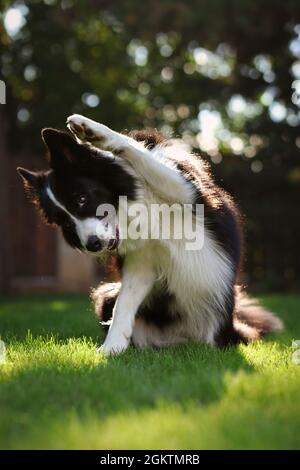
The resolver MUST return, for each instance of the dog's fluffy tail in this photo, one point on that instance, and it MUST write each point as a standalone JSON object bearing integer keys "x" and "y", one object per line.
{"x": 251, "y": 320}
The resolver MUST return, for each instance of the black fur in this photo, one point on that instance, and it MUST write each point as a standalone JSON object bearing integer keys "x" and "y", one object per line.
{"x": 150, "y": 137}
{"x": 156, "y": 309}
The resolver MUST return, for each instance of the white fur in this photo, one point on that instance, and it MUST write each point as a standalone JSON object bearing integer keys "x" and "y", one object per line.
{"x": 199, "y": 280}
{"x": 137, "y": 282}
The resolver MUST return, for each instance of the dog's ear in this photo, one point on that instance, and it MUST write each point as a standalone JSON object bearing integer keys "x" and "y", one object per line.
{"x": 32, "y": 181}
{"x": 63, "y": 148}
{"x": 30, "y": 178}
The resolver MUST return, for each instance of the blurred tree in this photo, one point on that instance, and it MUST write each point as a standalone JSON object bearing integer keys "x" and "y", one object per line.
{"x": 223, "y": 74}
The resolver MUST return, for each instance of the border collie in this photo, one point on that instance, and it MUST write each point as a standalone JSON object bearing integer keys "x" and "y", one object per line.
{"x": 168, "y": 294}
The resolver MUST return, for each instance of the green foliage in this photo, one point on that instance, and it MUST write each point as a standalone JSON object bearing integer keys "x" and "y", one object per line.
{"x": 159, "y": 64}
{"x": 57, "y": 392}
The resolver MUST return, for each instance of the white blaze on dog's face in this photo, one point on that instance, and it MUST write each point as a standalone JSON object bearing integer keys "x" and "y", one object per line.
{"x": 81, "y": 191}
{"x": 94, "y": 233}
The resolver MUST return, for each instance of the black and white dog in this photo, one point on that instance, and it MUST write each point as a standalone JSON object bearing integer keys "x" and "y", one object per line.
{"x": 168, "y": 294}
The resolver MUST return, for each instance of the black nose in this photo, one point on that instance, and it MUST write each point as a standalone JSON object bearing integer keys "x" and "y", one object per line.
{"x": 93, "y": 243}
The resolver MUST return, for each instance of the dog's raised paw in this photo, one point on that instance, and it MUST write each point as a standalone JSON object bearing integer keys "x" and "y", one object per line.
{"x": 99, "y": 135}
{"x": 82, "y": 128}
{"x": 76, "y": 125}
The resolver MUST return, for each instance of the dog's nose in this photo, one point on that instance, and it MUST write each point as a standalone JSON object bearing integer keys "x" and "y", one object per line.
{"x": 93, "y": 244}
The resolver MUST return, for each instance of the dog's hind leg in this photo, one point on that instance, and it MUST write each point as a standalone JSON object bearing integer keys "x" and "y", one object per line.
{"x": 163, "y": 177}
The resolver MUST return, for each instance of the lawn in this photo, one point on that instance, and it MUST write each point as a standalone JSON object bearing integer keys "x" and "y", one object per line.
{"x": 57, "y": 393}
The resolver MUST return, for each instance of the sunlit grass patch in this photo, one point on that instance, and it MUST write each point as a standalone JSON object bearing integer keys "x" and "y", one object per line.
{"x": 57, "y": 392}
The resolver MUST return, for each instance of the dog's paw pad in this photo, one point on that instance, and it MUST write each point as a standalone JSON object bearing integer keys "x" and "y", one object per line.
{"x": 81, "y": 127}
{"x": 78, "y": 130}
{"x": 76, "y": 126}
{"x": 91, "y": 137}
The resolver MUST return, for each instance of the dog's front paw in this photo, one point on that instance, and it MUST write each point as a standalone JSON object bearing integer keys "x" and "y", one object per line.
{"x": 113, "y": 346}
{"x": 97, "y": 134}
{"x": 83, "y": 128}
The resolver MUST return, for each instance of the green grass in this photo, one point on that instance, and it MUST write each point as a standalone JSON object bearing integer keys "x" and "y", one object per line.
{"x": 56, "y": 392}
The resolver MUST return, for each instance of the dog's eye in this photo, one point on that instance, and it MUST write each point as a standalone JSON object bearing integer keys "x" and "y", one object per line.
{"x": 82, "y": 200}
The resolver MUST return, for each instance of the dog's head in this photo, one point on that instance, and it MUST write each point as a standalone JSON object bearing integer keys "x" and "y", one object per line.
{"x": 76, "y": 194}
